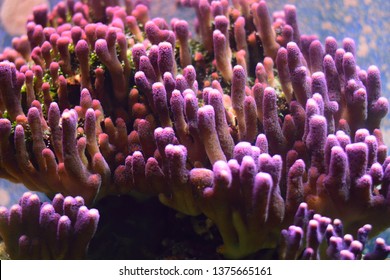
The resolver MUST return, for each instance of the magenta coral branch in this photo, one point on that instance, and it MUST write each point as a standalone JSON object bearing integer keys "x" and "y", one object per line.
{"x": 208, "y": 134}
{"x": 243, "y": 125}
{"x": 73, "y": 167}
{"x": 319, "y": 228}
{"x": 106, "y": 51}
{"x": 32, "y": 230}
{"x": 10, "y": 84}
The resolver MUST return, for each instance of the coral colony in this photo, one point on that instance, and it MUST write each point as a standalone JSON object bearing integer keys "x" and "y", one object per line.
{"x": 253, "y": 125}
{"x": 62, "y": 229}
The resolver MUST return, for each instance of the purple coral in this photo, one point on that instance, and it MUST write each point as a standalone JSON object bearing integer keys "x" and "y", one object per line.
{"x": 317, "y": 237}
{"x": 242, "y": 130}
{"x": 61, "y": 229}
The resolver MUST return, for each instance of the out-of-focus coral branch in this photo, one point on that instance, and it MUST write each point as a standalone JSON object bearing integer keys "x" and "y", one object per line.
{"x": 317, "y": 237}
{"x": 242, "y": 125}
{"x": 61, "y": 229}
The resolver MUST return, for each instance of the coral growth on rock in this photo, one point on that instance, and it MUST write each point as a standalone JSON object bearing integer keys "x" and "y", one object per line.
{"x": 242, "y": 125}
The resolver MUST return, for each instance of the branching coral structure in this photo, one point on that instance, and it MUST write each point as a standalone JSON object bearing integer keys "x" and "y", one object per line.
{"x": 61, "y": 229}
{"x": 314, "y": 236}
{"x": 242, "y": 125}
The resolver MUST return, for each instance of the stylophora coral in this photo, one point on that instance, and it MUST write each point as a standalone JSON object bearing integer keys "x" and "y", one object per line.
{"x": 242, "y": 126}
{"x": 324, "y": 239}
{"x": 57, "y": 230}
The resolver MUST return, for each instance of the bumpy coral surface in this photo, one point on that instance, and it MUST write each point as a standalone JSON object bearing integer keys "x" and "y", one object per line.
{"x": 242, "y": 124}
{"x": 316, "y": 237}
{"x": 58, "y": 230}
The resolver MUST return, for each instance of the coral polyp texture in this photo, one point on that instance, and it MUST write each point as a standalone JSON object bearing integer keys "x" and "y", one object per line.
{"x": 61, "y": 229}
{"x": 317, "y": 237}
{"x": 242, "y": 122}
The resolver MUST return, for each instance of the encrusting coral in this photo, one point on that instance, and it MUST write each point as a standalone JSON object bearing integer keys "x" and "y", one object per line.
{"x": 242, "y": 126}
